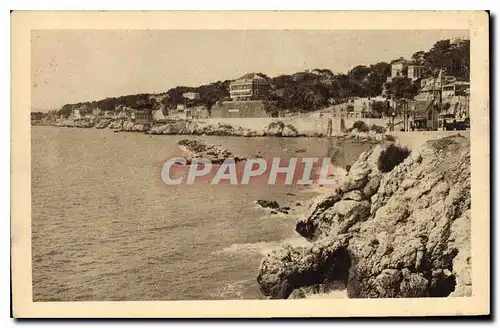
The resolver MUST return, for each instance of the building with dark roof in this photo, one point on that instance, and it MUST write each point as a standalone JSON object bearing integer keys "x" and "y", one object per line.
{"x": 423, "y": 115}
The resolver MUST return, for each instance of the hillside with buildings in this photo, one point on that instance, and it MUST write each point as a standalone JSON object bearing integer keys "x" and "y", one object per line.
{"x": 430, "y": 83}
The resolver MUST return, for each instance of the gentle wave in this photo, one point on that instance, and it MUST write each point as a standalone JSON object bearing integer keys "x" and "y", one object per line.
{"x": 331, "y": 294}
{"x": 232, "y": 290}
{"x": 262, "y": 247}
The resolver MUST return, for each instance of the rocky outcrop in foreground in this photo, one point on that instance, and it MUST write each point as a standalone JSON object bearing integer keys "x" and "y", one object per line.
{"x": 397, "y": 226}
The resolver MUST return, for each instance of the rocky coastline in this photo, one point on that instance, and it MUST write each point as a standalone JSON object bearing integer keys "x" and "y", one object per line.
{"x": 201, "y": 128}
{"x": 398, "y": 225}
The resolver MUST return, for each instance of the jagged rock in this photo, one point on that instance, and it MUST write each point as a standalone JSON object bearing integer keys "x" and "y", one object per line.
{"x": 460, "y": 240}
{"x": 308, "y": 225}
{"x": 103, "y": 123}
{"x": 361, "y": 173}
{"x": 284, "y": 209}
{"x": 140, "y": 128}
{"x": 345, "y": 213}
{"x": 268, "y": 204}
{"x": 353, "y": 195}
{"x": 410, "y": 239}
{"x": 84, "y": 123}
{"x": 289, "y": 131}
{"x": 371, "y": 186}
{"x": 115, "y": 125}
{"x": 274, "y": 129}
{"x": 290, "y": 268}
{"x": 127, "y": 126}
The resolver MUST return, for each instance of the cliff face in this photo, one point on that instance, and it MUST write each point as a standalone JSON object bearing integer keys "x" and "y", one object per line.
{"x": 386, "y": 231}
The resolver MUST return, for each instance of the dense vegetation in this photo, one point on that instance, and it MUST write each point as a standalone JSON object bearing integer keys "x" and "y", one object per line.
{"x": 310, "y": 90}
{"x": 391, "y": 157}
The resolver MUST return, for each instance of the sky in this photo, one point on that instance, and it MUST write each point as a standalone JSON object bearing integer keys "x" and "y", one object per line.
{"x": 69, "y": 66}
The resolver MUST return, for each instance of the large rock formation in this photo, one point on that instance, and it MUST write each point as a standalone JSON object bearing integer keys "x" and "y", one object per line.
{"x": 391, "y": 229}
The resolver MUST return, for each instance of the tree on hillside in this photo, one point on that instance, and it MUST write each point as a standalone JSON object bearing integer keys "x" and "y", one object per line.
{"x": 402, "y": 88}
{"x": 453, "y": 57}
{"x": 377, "y": 77}
{"x": 282, "y": 81}
{"x": 418, "y": 57}
{"x": 66, "y": 110}
{"x": 359, "y": 72}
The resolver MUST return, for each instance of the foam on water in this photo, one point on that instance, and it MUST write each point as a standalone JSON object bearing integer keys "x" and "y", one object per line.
{"x": 262, "y": 247}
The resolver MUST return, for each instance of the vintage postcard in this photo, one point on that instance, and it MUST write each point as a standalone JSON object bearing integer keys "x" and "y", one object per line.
{"x": 250, "y": 164}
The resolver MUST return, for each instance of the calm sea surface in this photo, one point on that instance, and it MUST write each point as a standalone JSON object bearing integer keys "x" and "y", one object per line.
{"x": 105, "y": 227}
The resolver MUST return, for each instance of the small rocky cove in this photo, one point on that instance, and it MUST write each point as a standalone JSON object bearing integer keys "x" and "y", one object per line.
{"x": 398, "y": 225}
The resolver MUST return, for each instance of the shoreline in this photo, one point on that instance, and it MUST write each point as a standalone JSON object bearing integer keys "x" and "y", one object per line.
{"x": 410, "y": 139}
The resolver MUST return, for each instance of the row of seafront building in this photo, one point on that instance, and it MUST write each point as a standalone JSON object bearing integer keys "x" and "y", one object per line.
{"x": 246, "y": 100}
{"x": 439, "y": 96}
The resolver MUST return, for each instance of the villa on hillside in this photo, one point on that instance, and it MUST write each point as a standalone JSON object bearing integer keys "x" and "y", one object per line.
{"x": 403, "y": 68}
{"x": 251, "y": 86}
{"x": 415, "y": 72}
{"x": 397, "y": 68}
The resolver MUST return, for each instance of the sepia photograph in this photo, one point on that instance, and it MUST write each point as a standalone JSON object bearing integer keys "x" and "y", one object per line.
{"x": 269, "y": 163}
